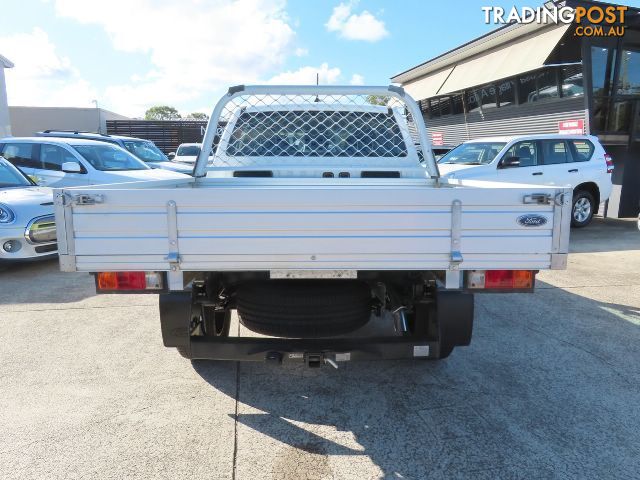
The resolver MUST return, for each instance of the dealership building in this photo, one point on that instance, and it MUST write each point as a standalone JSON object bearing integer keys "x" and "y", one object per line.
{"x": 541, "y": 78}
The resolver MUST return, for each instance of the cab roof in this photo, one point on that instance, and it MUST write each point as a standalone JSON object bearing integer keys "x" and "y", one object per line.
{"x": 88, "y": 135}
{"x": 53, "y": 140}
{"x": 547, "y": 136}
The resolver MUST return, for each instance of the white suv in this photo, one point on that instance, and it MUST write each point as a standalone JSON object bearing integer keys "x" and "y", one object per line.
{"x": 64, "y": 162}
{"x": 575, "y": 160}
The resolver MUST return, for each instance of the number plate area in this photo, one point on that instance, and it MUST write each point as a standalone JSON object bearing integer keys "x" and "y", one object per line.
{"x": 308, "y": 274}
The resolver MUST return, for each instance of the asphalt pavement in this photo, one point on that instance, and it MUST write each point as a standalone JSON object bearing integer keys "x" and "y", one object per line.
{"x": 549, "y": 388}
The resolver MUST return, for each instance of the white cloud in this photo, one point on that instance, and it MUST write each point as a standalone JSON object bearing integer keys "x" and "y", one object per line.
{"x": 307, "y": 76}
{"x": 197, "y": 48}
{"x": 356, "y": 79}
{"x": 356, "y": 26}
{"x": 41, "y": 76}
{"x": 301, "y": 52}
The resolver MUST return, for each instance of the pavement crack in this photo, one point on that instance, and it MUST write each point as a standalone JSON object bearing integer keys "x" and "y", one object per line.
{"x": 234, "y": 464}
{"x": 97, "y": 307}
{"x": 552, "y": 287}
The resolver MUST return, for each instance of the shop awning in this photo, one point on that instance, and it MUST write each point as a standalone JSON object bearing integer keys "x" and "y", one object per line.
{"x": 428, "y": 86}
{"x": 515, "y": 58}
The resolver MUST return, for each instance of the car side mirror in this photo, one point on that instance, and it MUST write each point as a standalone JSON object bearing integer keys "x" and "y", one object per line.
{"x": 71, "y": 167}
{"x": 171, "y": 155}
{"x": 510, "y": 162}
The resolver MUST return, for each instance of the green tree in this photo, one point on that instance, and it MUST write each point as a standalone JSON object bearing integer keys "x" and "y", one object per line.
{"x": 161, "y": 112}
{"x": 197, "y": 116}
{"x": 378, "y": 99}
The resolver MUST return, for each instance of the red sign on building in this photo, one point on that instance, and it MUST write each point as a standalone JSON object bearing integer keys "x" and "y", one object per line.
{"x": 437, "y": 138}
{"x": 571, "y": 127}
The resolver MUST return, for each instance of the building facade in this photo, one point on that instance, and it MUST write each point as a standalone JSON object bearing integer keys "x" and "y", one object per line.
{"x": 541, "y": 78}
{"x": 25, "y": 121}
{"x": 5, "y": 124}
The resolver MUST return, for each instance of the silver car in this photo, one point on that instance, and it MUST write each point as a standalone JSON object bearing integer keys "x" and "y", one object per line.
{"x": 27, "y": 225}
{"x": 70, "y": 162}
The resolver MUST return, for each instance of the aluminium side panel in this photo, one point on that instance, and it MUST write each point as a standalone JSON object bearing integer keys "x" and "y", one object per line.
{"x": 231, "y": 226}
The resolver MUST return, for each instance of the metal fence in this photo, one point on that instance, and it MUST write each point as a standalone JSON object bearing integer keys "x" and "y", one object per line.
{"x": 166, "y": 134}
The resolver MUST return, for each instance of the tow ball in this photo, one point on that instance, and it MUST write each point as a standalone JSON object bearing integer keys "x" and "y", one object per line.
{"x": 311, "y": 359}
{"x": 315, "y": 360}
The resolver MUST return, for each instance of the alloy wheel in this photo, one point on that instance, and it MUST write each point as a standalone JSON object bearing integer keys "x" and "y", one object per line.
{"x": 582, "y": 209}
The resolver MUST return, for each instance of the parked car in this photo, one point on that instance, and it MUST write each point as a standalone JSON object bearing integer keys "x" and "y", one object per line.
{"x": 315, "y": 222}
{"x": 144, "y": 150}
{"x": 27, "y": 225}
{"x": 440, "y": 151}
{"x": 576, "y": 160}
{"x": 61, "y": 162}
{"x": 187, "y": 153}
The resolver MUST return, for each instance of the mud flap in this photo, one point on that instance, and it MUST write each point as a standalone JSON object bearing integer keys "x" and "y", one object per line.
{"x": 175, "y": 317}
{"x": 454, "y": 314}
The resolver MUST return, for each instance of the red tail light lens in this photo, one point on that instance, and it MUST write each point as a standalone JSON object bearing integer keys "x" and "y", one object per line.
{"x": 128, "y": 281}
{"x": 609, "y": 160}
{"x": 500, "y": 280}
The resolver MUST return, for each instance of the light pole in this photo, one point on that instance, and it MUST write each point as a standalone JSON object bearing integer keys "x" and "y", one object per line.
{"x": 95, "y": 102}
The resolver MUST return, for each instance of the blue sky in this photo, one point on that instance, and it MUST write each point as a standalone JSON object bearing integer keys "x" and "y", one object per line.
{"x": 132, "y": 54}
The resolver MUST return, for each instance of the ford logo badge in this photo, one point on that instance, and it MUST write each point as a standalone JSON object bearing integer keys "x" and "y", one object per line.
{"x": 532, "y": 220}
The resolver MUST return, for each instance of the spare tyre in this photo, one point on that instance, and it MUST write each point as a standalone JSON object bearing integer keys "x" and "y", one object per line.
{"x": 304, "y": 308}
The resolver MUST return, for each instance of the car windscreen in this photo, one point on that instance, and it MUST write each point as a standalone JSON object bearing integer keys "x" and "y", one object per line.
{"x": 473, "y": 153}
{"x": 308, "y": 133}
{"x": 145, "y": 151}
{"x": 109, "y": 158}
{"x": 10, "y": 176}
{"x": 188, "y": 151}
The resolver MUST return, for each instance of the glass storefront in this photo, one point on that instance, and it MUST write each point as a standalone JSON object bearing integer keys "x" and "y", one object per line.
{"x": 613, "y": 66}
{"x": 602, "y": 68}
{"x": 571, "y": 81}
{"x": 506, "y": 93}
{"x": 542, "y": 85}
{"x": 629, "y": 77}
{"x": 615, "y": 78}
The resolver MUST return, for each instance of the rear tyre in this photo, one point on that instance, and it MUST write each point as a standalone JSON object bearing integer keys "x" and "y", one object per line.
{"x": 304, "y": 308}
{"x": 582, "y": 209}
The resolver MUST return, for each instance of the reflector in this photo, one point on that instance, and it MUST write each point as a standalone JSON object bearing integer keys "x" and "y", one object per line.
{"x": 122, "y": 281}
{"x": 500, "y": 279}
{"x": 522, "y": 279}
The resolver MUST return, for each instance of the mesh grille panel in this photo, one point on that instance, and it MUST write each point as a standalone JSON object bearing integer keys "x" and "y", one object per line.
{"x": 315, "y": 125}
{"x": 309, "y": 133}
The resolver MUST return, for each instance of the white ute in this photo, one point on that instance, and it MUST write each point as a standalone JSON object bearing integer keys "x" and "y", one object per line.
{"x": 317, "y": 223}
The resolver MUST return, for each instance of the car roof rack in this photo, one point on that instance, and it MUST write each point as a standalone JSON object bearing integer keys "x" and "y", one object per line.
{"x": 76, "y": 132}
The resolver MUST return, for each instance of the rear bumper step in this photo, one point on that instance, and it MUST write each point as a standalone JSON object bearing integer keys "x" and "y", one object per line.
{"x": 311, "y": 350}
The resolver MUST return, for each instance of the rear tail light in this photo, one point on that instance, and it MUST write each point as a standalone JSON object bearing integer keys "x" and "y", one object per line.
{"x": 129, "y": 281}
{"x": 500, "y": 279}
{"x": 609, "y": 160}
